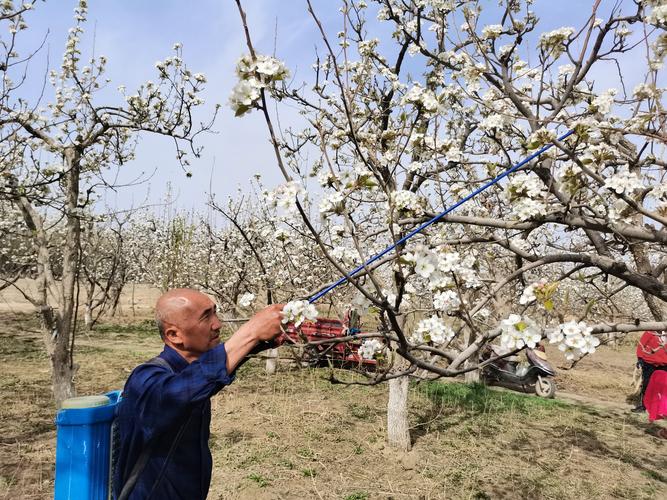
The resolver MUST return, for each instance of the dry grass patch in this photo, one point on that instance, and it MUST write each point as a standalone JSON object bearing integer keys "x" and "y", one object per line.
{"x": 294, "y": 435}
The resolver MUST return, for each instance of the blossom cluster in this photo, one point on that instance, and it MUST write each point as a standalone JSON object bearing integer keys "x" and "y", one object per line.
{"x": 446, "y": 301}
{"x": 623, "y": 182}
{"x": 554, "y": 41}
{"x": 492, "y": 31}
{"x": 658, "y": 16}
{"x": 518, "y": 332}
{"x": 432, "y": 329}
{"x": 254, "y": 74}
{"x": 575, "y": 339}
{"x": 298, "y": 311}
{"x": 246, "y": 299}
{"x": 407, "y": 201}
{"x": 526, "y": 194}
{"x": 370, "y": 348}
{"x": 285, "y": 195}
{"x": 333, "y": 203}
{"x": 437, "y": 267}
{"x": 420, "y": 96}
{"x": 603, "y": 102}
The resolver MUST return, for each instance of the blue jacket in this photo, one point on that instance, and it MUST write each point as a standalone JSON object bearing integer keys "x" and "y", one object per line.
{"x": 156, "y": 403}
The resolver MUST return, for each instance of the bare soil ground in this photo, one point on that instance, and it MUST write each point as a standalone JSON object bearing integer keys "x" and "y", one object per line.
{"x": 294, "y": 435}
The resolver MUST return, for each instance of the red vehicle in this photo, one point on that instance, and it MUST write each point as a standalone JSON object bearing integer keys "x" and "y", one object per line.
{"x": 341, "y": 353}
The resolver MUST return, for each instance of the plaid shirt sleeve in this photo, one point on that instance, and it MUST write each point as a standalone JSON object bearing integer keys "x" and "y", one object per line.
{"x": 162, "y": 398}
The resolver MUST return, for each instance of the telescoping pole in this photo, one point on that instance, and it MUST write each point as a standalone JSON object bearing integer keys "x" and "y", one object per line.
{"x": 405, "y": 238}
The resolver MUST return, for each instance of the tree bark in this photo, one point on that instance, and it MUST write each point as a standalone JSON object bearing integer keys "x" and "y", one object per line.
{"x": 644, "y": 267}
{"x": 271, "y": 361}
{"x": 88, "y": 317}
{"x": 398, "y": 428}
{"x": 471, "y": 377}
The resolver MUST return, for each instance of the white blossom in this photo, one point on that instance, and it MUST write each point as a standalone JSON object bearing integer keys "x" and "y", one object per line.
{"x": 518, "y": 332}
{"x": 492, "y": 31}
{"x": 604, "y": 101}
{"x": 298, "y": 311}
{"x": 623, "y": 182}
{"x": 285, "y": 195}
{"x": 554, "y": 41}
{"x": 246, "y": 299}
{"x": 370, "y": 348}
{"x": 432, "y": 329}
{"x": 574, "y": 338}
{"x": 332, "y": 203}
{"x": 408, "y": 201}
{"x": 446, "y": 301}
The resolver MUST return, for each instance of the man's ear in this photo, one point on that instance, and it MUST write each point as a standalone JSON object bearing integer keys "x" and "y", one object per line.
{"x": 174, "y": 335}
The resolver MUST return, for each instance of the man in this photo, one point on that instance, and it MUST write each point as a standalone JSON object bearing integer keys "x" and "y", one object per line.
{"x": 165, "y": 414}
{"x": 651, "y": 356}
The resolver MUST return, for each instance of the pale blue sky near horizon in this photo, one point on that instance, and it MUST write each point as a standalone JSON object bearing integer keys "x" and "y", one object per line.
{"x": 135, "y": 34}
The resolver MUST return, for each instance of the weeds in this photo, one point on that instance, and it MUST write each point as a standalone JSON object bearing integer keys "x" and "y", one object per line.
{"x": 358, "y": 495}
{"x": 309, "y": 472}
{"x": 261, "y": 481}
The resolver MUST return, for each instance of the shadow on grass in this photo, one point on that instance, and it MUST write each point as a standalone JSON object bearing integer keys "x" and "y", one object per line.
{"x": 457, "y": 405}
{"x": 588, "y": 440}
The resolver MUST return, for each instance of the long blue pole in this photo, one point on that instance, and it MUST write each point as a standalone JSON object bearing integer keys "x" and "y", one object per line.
{"x": 405, "y": 238}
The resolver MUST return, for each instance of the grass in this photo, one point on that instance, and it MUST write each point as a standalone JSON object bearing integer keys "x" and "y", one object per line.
{"x": 477, "y": 398}
{"x": 142, "y": 329}
{"x": 295, "y": 435}
{"x": 261, "y": 481}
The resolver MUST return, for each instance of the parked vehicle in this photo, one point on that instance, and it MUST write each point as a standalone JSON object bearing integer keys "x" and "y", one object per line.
{"x": 533, "y": 374}
{"x": 342, "y": 354}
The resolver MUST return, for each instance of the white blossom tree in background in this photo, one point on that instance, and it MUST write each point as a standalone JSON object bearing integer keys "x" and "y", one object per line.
{"x": 55, "y": 151}
{"x": 398, "y": 129}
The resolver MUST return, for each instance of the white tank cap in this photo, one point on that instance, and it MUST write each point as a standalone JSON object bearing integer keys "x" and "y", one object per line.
{"x": 85, "y": 402}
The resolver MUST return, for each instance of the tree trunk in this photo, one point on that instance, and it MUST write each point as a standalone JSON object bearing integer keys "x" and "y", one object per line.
{"x": 115, "y": 299}
{"x": 62, "y": 374}
{"x": 271, "y": 361}
{"x": 88, "y": 317}
{"x": 398, "y": 429}
{"x": 644, "y": 267}
{"x": 471, "y": 377}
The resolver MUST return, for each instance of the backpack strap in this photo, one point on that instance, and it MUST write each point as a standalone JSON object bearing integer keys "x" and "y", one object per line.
{"x": 146, "y": 453}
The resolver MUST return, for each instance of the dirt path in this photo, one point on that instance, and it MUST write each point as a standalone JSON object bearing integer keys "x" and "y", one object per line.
{"x": 579, "y": 399}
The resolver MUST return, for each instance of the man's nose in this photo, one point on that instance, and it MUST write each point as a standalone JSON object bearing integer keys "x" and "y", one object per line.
{"x": 217, "y": 324}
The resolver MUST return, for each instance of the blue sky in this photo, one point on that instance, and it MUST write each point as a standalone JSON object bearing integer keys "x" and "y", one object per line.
{"x": 134, "y": 34}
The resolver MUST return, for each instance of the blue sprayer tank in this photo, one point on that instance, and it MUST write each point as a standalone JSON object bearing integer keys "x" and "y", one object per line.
{"x": 84, "y": 447}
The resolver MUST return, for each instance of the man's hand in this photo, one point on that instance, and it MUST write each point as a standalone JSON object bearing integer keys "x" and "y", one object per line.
{"x": 266, "y": 324}
{"x": 262, "y": 327}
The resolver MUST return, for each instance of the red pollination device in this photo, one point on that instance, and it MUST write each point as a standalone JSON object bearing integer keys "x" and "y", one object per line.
{"x": 344, "y": 354}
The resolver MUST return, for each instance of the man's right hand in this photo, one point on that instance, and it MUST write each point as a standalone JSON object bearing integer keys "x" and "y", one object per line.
{"x": 262, "y": 327}
{"x": 266, "y": 324}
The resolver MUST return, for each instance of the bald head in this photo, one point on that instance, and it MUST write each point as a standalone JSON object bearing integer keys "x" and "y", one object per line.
{"x": 175, "y": 305}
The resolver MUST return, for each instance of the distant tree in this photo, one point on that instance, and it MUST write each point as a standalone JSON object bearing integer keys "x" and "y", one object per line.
{"x": 53, "y": 153}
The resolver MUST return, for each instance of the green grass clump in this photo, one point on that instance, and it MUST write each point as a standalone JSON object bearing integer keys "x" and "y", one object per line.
{"x": 477, "y": 398}
{"x": 357, "y": 495}
{"x": 261, "y": 481}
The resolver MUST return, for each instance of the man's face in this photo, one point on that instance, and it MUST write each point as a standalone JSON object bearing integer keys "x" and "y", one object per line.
{"x": 199, "y": 326}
